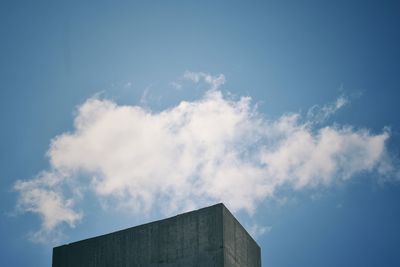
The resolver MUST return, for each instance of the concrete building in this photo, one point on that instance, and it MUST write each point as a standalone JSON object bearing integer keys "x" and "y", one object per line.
{"x": 203, "y": 238}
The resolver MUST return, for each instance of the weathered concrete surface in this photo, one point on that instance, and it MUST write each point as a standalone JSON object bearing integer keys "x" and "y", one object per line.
{"x": 203, "y": 238}
{"x": 240, "y": 249}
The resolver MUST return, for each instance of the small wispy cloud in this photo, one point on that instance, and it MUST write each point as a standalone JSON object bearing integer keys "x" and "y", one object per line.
{"x": 42, "y": 195}
{"x": 318, "y": 114}
{"x": 213, "y": 82}
{"x": 256, "y": 230}
{"x": 145, "y": 96}
{"x": 176, "y": 84}
{"x": 214, "y": 149}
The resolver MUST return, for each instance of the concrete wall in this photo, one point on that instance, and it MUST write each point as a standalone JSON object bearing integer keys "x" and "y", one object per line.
{"x": 201, "y": 238}
{"x": 240, "y": 249}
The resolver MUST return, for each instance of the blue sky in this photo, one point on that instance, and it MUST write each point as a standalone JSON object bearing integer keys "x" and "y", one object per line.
{"x": 287, "y": 111}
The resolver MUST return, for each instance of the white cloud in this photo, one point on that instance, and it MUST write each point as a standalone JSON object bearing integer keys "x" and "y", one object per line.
{"x": 196, "y": 153}
{"x": 43, "y": 196}
{"x": 213, "y": 81}
{"x": 145, "y": 96}
{"x": 257, "y": 230}
{"x": 176, "y": 85}
{"x": 319, "y": 114}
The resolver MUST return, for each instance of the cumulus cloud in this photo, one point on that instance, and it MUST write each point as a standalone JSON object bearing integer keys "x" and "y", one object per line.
{"x": 215, "y": 149}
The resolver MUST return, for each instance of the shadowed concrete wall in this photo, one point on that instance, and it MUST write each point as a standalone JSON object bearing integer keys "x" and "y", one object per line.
{"x": 207, "y": 237}
{"x": 240, "y": 249}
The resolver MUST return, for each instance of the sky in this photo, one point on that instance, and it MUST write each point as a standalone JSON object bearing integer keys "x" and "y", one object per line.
{"x": 118, "y": 113}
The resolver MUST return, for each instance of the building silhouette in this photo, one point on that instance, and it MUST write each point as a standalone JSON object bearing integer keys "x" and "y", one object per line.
{"x": 206, "y": 237}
